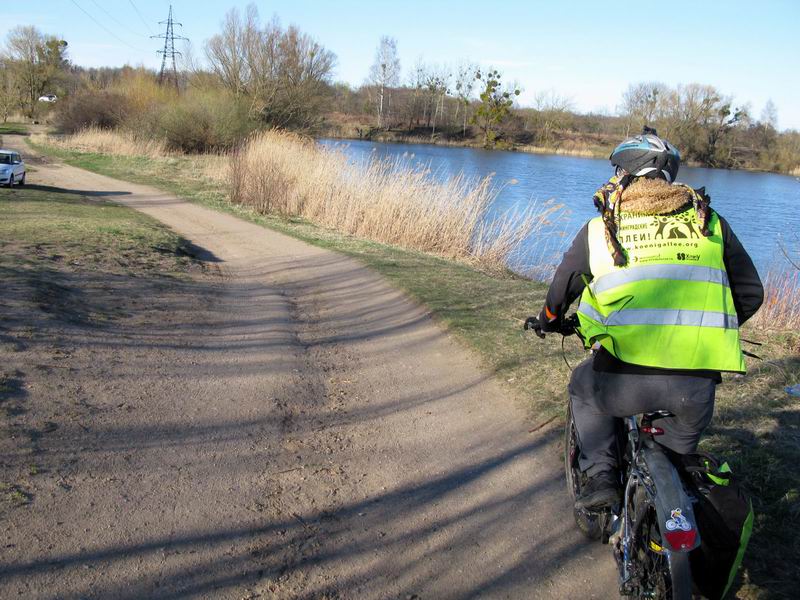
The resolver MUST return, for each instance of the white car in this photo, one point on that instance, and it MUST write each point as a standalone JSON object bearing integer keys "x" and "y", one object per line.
{"x": 48, "y": 98}
{"x": 12, "y": 169}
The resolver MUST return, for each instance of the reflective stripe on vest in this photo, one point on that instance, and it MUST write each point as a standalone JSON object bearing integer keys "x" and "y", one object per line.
{"x": 644, "y": 272}
{"x": 671, "y": 306}
{"x": 662, "y": 316}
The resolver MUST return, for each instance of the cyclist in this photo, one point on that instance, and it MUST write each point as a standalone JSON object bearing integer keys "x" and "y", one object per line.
{"x": 664, "y": 286}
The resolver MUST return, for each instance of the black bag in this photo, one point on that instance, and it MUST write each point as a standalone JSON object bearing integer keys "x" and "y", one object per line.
{"x": 724, "y": 514}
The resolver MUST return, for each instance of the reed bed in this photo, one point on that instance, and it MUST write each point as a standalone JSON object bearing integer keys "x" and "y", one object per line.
{"x": 117, "y": 142}
{"x": 381, "y": 200}
{"x": 781, "y": 308}
{"x": 582, "y": 151}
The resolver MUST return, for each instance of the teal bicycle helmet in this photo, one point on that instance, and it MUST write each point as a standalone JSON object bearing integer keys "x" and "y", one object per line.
{"x": 647, "y": 155}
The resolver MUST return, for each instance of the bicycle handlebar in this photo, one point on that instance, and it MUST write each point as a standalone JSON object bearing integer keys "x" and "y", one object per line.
{"x": 569, "y": 326}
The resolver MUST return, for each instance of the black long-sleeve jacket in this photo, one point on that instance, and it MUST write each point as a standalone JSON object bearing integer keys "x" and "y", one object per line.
{"x": 568, "y": 284}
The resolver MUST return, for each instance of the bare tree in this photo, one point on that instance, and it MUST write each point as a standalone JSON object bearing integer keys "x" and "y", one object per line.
{"x": 415, "y": 105}
{"x": 227, "y": 51}
{"x": 437, "y": 80}
{"x": 9, "y": 93}
{"x": 384, "y": 74}
{"x": 464, "y": 85}
{"x": 769, "y": 115}
{"x": 642, "y": 103}
{"x": 35, "y": 61}
{"x": 551, "y": 111}
{"x": 283, "y": 73}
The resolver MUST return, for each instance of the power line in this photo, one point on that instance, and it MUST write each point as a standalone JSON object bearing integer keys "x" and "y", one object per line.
{"x": 169, "y": 52}
{"x": 146, "y": 24}
{"x": 113, "y": 18}
{"x": 106, "y": 29}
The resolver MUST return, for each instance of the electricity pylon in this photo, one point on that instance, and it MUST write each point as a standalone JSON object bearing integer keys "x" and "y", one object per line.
{"x": 169, "y": 52}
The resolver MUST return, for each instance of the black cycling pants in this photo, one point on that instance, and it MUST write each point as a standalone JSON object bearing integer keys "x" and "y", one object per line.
{"x": 599, "y": 397}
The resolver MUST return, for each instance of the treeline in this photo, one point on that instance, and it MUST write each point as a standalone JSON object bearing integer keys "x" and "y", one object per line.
{"x": 711, "y": 129}
{"x": 255, "y": 75}
{"x": 446, "y": 104}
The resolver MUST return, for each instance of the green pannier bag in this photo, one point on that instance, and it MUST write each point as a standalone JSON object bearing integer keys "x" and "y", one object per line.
{"x": 724, "y": 513}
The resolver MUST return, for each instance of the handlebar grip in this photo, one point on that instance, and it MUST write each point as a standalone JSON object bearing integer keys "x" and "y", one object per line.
{"x": 536, "y": 325}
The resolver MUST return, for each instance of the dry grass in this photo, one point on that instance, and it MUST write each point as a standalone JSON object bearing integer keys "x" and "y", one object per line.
{"x": 781, "y": 308}
{"x": 119, "y": 143}
{"x": 380, "y": 200}
{"x": 211, "y": 167}
{"x": 584, "y": 151}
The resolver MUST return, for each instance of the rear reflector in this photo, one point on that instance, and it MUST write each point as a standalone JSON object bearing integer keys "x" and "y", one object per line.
{"x": 681, "y": 540}
{"x": 653, "y": 430}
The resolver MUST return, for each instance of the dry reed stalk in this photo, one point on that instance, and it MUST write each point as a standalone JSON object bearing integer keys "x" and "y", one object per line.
{"x": 381, "y": 200}
{"x": 781, "y": 308}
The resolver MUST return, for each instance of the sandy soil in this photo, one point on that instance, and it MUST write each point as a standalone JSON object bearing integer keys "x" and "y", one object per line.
{"x": 286, "y": 425}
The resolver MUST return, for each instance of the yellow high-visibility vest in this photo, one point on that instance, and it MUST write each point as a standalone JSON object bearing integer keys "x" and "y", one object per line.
{"x": 670, "y": 306}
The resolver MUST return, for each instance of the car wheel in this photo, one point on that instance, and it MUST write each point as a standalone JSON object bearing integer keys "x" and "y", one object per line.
{"x": 22, "y": 181}
{"x": 11, "y": 181}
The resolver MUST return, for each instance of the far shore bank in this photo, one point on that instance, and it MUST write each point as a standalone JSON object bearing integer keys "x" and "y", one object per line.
{"x": 576, "y": 150}
{"x": 397, "y": 137}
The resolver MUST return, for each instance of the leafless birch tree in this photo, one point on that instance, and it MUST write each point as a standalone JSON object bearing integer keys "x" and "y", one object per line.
{"x": 385, "y": 74}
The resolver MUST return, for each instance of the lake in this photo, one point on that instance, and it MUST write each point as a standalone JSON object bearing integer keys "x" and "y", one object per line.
{"x": 762, "y": 208}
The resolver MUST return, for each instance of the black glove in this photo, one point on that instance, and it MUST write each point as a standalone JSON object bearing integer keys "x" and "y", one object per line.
{"x": 535, "y": 324}
{"x": 549, "y": 325}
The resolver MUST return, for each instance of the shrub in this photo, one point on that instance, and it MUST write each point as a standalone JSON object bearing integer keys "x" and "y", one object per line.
{"x": 205, "y": 122}
{"x": 93, "y": 109}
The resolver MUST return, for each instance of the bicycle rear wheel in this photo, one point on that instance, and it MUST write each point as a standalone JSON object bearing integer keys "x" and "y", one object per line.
{"x": 589, "y": 523}
{"x": 680, "y": 576}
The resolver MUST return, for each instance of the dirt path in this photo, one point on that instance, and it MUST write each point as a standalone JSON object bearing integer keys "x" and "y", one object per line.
{"x": 294, "y": 428}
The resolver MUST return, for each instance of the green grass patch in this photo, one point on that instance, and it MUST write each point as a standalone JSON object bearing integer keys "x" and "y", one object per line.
{"x": 757, "y": 424}
{"x": 59, "y": 252}
{"x": 14, "y": 129}
{"x": 41, "y": 229}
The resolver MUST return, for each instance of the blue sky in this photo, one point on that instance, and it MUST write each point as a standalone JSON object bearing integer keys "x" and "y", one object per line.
{"x": 587, "y": 51}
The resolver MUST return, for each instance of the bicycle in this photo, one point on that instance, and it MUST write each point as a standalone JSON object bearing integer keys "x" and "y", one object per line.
{"x": 652, "y": 529}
